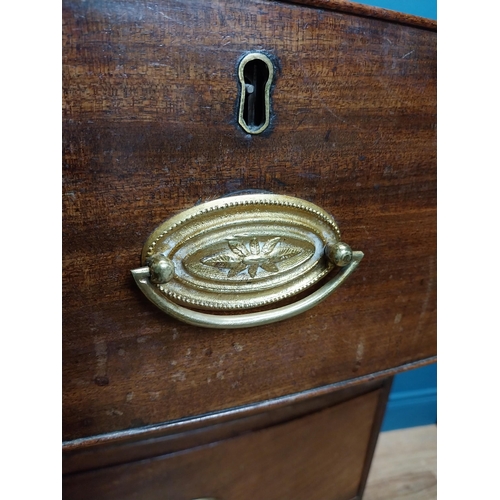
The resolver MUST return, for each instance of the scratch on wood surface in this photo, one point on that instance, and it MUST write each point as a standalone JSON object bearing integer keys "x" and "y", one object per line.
{"x": 167, "y": 17}
{"x": 359, "y": 356}
{"x": 114, "y": 412}
{"x": 359, "y": 352}
{"x": 101, "y": 353}
{"x": 408, "y": 54}
{"x": 428, "y": 293}
{"x": 179, "y": 376}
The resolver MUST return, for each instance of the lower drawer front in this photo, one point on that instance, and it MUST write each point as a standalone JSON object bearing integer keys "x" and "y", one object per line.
{"x": 319, "y": 456}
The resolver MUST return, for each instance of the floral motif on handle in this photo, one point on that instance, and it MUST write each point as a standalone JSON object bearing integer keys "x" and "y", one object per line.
{"x": 252, "y": 255}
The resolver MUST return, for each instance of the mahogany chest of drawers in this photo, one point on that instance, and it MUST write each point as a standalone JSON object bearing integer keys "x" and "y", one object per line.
{"x": 154, "y": 408}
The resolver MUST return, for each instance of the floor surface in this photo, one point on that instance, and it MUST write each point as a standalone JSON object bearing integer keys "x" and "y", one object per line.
{"x": 404, "y": 466}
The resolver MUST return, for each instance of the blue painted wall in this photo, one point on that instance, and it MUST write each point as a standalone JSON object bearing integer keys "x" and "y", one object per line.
{"x": 423, "y": 8}
{"x": 413, "y": 398}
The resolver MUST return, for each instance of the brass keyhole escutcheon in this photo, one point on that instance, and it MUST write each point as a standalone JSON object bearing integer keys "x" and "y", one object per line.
{"x": 255, "y": 74}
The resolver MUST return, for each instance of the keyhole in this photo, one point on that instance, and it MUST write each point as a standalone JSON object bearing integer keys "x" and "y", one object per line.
{"x": 255, "y": 74}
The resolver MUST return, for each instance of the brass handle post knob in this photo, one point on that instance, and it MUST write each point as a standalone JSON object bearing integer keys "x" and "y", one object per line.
{"x": 239, "y": 253}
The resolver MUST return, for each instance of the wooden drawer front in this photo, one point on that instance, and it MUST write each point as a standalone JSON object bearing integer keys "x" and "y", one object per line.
{"x": 150, "y": 94}
{"x": 320, "y": 456}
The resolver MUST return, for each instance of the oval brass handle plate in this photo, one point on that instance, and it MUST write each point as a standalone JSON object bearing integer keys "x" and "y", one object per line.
{"x": 239, "y": 253}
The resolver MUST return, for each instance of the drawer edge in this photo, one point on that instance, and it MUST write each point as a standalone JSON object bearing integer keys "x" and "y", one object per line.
{"x": 136, "y": 444}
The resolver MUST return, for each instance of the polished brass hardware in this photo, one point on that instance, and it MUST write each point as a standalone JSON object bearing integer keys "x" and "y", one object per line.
{"x": 255, "y": 74}
{"x": 339, "y": 253}
{"x": 161, "y": 269}
{"x": 243, "y": 252}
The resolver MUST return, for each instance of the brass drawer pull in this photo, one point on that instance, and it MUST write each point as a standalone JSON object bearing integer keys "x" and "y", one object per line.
{"x": 243, "y": 252}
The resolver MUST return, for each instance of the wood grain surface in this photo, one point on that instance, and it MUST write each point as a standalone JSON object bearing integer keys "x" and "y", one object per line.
{"x": 150, "y": 93}
{"x": 171, "y": 437}
{"x": 404, "y": 466}
{"x": 319, "y": 456}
